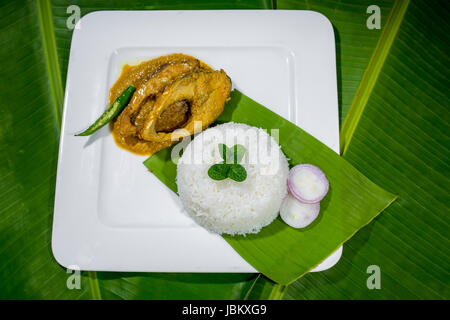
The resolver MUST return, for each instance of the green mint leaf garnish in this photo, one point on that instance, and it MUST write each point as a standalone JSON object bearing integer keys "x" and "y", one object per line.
{"x": 225, "y": 152}
{"x": 230, "y": 167}
{"x": 238, "y": 153}
{"x": 232, "y": 155}
{"x": 219, "y": 171}
{"x": 237, "y": 173}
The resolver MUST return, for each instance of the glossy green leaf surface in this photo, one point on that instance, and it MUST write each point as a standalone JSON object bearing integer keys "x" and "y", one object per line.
{"x": 355, "y": 43}
{"x": 401, "y": 142}
{"x": 278, "y": 251}
{"x": 34, "y": 53}
{"x": 115, "y": 285}
{"x": 413, "y": 105}
{"x": 29, "y": 134}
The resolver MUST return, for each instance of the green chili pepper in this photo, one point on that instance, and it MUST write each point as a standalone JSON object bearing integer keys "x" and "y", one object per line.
{"x": 111, "y": 112}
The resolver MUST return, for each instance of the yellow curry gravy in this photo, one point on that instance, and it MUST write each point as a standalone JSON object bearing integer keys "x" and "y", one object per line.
{"x": 172, "y": 92}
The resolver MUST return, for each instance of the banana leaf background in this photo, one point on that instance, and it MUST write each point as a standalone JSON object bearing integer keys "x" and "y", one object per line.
{"x": 394, "y": 113}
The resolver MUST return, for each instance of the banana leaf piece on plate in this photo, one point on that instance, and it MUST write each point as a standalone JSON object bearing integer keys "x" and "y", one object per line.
{"x": 278, "y": 251}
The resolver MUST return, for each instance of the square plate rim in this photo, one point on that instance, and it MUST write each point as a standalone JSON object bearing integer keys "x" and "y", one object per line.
{"x": 55, "y": 251}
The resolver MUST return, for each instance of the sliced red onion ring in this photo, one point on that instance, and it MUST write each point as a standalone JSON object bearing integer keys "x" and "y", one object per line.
{"x": 298, "y": 214}
{"x": 307, "y": 183}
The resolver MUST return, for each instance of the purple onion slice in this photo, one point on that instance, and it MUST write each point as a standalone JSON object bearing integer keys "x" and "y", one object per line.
{"x": 298, "y": 214}
{"x": 307, "y": 183}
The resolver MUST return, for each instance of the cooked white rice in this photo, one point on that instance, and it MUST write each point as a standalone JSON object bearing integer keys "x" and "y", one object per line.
{"x": 228, "y": 206}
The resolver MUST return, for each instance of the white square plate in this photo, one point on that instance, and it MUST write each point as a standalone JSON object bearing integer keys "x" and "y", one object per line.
{"x": 111, "y": 214}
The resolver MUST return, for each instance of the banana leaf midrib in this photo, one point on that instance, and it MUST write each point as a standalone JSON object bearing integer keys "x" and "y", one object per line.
{"x": 51, "y": 58}
{"x": 372, "y": 72}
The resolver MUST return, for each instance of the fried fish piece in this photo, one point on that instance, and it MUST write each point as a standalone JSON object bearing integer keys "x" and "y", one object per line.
{"x": 152, "y": 79}
{"x": 206, "y": 91}
{"x": 161, "y": 77}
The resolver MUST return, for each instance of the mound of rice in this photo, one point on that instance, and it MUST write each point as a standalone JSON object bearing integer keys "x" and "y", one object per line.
{"x": 228, "y": 206}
